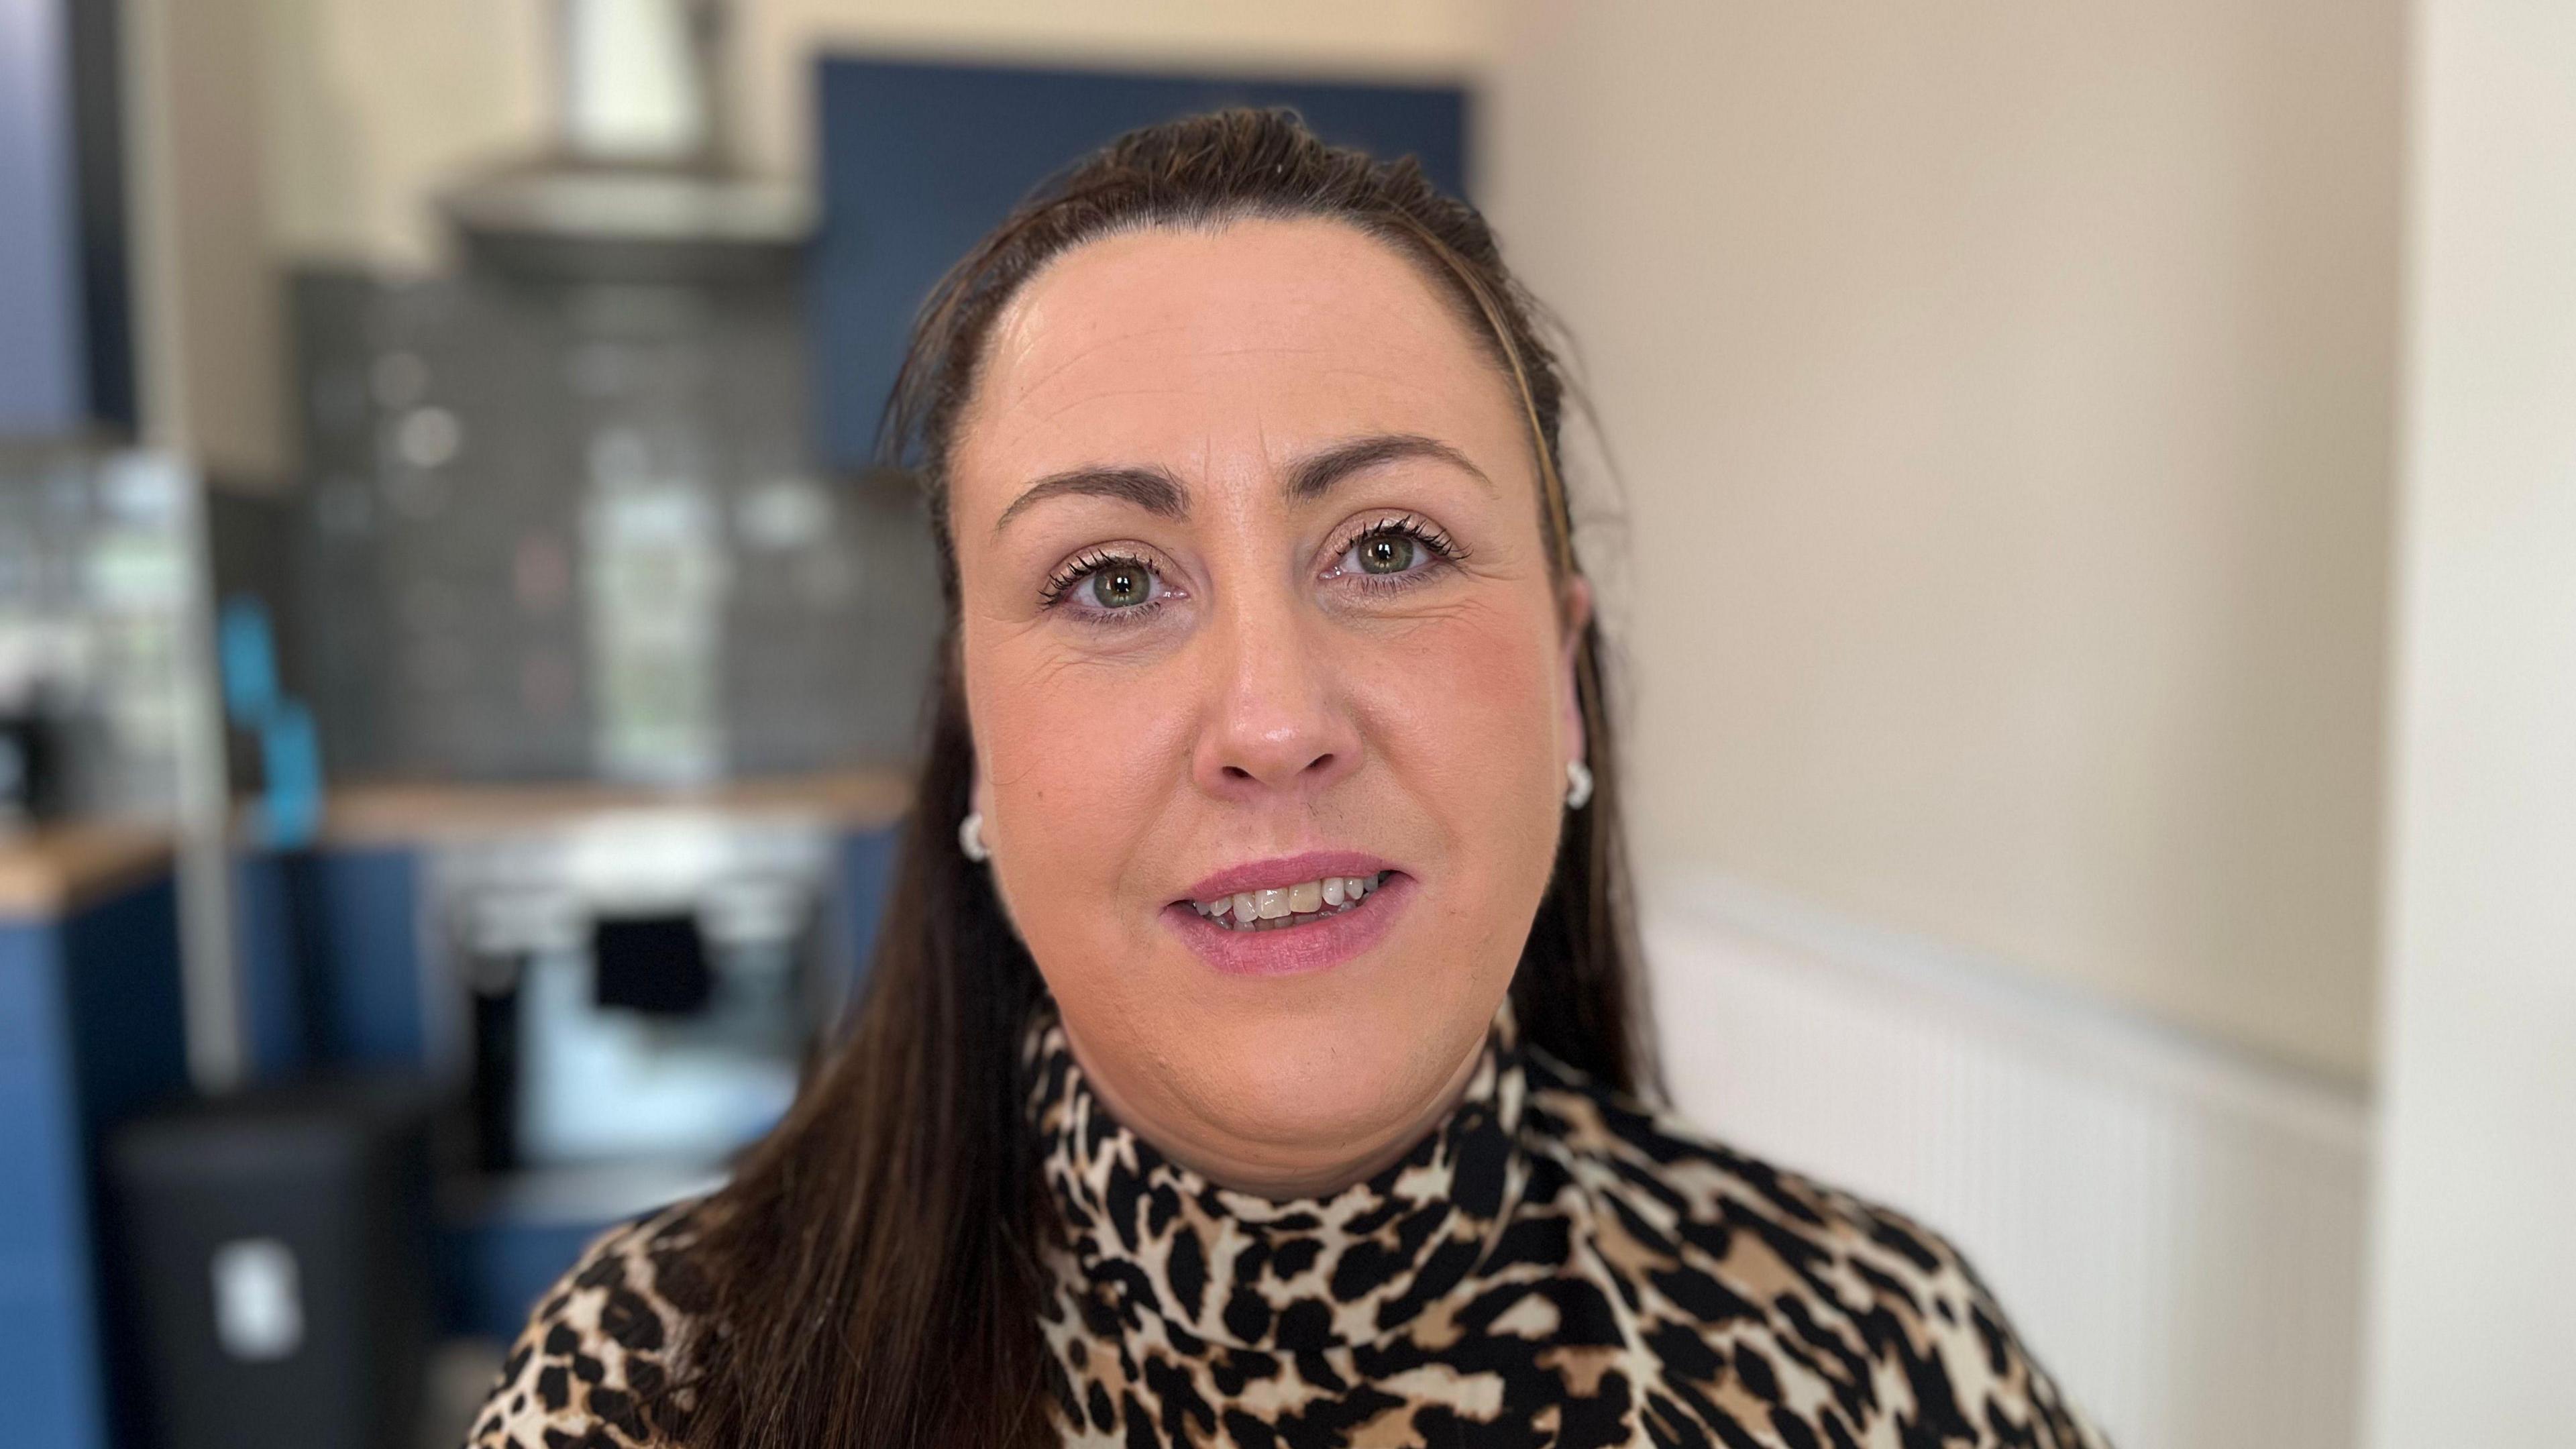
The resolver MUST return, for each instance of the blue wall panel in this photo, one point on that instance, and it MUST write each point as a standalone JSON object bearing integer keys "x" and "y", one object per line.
{"x": 919, "y": 161}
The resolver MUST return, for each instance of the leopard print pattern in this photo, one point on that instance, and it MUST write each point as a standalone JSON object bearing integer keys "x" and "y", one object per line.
{"x": 597, "y": 1366}
{"x": 1556, "y": 1267}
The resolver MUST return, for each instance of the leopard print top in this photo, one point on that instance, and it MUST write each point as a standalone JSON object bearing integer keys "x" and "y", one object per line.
{"x": 1556, "y": 1265}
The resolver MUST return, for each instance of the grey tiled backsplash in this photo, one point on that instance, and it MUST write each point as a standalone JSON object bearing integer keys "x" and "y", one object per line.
{"x": 557, "y": 531}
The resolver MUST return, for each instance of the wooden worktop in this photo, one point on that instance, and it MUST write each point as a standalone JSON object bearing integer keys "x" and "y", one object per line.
{"x": 394, "y": 814}
{"x": 54, "y": 870}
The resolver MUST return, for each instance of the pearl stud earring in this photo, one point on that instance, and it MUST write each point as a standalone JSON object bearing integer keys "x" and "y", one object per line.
{"x": 1578, "y": 784}
{"x": 970, "y": 837}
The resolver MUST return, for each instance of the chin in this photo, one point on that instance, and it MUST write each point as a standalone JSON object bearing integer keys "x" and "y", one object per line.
{"x": 1317, "y": 1083}
{"x": 1282, "y": 1076}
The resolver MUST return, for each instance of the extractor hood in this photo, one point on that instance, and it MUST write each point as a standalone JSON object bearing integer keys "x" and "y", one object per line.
{"x": 641, "y": 183}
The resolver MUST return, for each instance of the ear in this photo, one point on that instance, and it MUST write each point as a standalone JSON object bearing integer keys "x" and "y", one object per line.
{"x": 1578, "y": 617}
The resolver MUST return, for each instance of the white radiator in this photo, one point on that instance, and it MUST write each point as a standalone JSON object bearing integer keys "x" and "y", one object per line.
{"x": 2177, "y": 1230}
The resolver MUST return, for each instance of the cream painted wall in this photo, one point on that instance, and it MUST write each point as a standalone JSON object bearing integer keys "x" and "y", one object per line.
{"x": 379, "y": 103}
{"x": 2475, "y": 1272}
{"x": 374, "y": 105}
{"x": 211, "y": 346}
{"x": 2002, "y": 392}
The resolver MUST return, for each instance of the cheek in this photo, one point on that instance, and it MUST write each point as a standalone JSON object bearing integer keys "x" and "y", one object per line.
{"x": 1463, "y": 710}
{"x": 1076, "y": 760}
{"x": 1478, "y": 685}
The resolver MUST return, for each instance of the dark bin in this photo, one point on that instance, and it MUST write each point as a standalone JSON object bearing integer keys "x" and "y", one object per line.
{"x": 275, "y": 1263}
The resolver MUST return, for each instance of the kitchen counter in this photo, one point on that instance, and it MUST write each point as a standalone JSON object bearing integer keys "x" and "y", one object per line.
{"x": 54, "y": 870}
{"x": 410, "y": 814}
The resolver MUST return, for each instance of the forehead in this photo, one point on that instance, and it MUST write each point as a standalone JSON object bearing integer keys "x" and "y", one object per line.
{"x": 1179, "y": 345}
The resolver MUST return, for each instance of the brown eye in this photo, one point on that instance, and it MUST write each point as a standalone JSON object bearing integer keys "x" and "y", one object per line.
{"x": 1387, "y": 553}
{"x": 1122, "y": 585}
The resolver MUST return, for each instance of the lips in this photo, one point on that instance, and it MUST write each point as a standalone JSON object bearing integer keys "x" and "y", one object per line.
{"x": 1290, "y": 915}
{"x": 1277, "y": 908}
{"x": 1283, "y": 872}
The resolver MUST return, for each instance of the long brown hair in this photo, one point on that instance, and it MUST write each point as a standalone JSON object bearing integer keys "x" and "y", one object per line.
{"x": 874, "y": 1265}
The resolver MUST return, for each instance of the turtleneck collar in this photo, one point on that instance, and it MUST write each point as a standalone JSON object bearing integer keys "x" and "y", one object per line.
{"x": 1151, "y": 1237}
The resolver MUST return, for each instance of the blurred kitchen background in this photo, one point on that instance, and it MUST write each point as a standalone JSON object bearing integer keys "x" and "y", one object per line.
{"x": 2084, "y": 492}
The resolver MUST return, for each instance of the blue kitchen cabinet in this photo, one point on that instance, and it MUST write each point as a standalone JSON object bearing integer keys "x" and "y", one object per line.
{"x": 918, "y": 161}
{"x": 90, "y": 1034}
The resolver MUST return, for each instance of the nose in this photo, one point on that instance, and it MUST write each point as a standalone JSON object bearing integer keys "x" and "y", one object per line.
{"x": 1277, "y": 716}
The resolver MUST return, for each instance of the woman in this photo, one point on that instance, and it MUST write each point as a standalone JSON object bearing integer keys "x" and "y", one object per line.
{"x": 1252, "y": 1050}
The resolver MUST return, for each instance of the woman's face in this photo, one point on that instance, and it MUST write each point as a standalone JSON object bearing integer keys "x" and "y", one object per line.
{"x": 1256, "y": 603}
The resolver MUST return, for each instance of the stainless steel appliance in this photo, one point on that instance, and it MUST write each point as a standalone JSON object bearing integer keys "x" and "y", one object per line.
{"x": 639, "y": 986}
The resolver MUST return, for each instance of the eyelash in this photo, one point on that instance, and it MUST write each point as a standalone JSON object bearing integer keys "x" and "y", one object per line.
{"x": 1444, "y": 552}
{"x": 1079, "y": 569}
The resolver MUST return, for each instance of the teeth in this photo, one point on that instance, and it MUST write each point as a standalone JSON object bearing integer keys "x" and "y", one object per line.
{"x": 1271, "y": 910}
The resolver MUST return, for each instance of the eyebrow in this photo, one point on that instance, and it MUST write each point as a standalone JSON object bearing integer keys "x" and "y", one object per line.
{"x": 1316, "y": 476}
{"x": 1151, "y": 489}
{"x": 1158, "y": 492}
